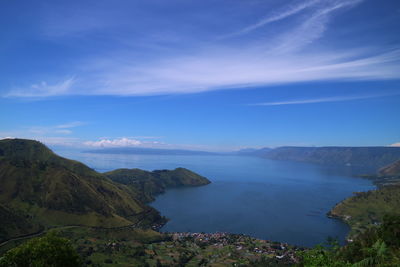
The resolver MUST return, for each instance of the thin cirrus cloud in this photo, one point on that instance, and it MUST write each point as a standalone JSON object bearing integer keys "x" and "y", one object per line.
{"x": 285, "y": 13}
{"x": 43, "y": 89}
{"x": 279, "y": 58}
{"x": 64, "y": 129}
{"x": 321, "y": 100}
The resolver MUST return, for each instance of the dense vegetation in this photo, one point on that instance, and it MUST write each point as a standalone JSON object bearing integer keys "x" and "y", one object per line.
{"x": 148, "y": 184}
{"x": 14, "y": 224}
{"x": 366, "y": 208}
{"x": 47, "y": 251}
{"x": 51, "y": 190}
{"x": 39, "y": 189}
{"x": 378, "y": 246}
{"x": 139, "y": 247}
{"x": 105, "y": 217}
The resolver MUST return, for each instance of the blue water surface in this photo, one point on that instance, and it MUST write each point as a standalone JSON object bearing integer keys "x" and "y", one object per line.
{"x": 275, "y": 200}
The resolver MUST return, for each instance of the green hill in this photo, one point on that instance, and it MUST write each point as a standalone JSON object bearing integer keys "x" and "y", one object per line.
{"x": 368, "y": 208}
{"x": 364, "y": 209}
{"x": 36, "y": 183}
{"x": 148, "y": 184}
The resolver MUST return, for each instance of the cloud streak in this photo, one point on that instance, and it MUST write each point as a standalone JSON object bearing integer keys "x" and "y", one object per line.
{"x": 321, "y": 100}
{"x": 220, "y": 70}
{"x": 283, "y": 14}
{"x": 64, "y": 129}
{"x": 43, "y": 89}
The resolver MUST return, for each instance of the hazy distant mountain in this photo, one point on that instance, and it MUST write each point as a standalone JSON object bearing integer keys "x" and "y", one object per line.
{"x": 391, "y": 170}
{"x": 147, "y": 151}
{"x": 39, "y": 188}
{"x": 373, "y": 157}
{"x": 253, "y": 151}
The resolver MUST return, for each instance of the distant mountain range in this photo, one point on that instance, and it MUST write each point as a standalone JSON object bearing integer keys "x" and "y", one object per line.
{"x": 147, "y": 151}
{"x": 371, "y": 157}
{"x": 253, "y": 151}
{"x": 374, "y": 157}
{"x": 39, "y": 189}
{"x": 392, "y": 170}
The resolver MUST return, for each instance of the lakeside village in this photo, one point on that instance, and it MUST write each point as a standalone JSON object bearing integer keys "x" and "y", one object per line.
{"x": 199, "y": 249}
{"x": 227, "y": 245}
{"x": 241, "y": 242}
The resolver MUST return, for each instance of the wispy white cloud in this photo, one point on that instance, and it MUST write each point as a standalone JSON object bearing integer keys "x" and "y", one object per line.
{"x": 321, "y": 100}
{"x": 72, "y": 124}
{"x": 222, "y": 69}
{"x": 311, "y": 27}
{"x": 276, "y": 16}
{"x": 63, "y": 131}
{"x": 395, "y": 144}
{"x": 55, "y": 129}
{"x": 283, "y": 58}
{"x": 43, "y": 89}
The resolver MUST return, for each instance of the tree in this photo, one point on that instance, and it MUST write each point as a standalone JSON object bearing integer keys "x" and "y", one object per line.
{"x": 376, "y": 255}
{"x": 47, "y": 251}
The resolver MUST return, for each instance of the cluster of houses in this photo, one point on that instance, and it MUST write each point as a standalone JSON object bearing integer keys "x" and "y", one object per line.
{"x": 242, "y": 243}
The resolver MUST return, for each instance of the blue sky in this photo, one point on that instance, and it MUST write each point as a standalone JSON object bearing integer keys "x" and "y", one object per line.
{"x": 212, "y": 75}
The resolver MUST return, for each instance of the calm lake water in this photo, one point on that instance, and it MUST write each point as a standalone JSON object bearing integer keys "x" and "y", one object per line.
{"x": 275, "y": 200}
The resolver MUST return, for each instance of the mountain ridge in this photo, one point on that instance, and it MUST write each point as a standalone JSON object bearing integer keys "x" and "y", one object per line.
{"x": 375, "y": 156}
{"x": 147, "y": 151}
{"x": 46, "y": 190}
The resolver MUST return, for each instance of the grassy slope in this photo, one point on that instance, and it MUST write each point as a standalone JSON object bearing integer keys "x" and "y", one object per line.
{"x": 137, "y": 247}
{"x": 366, "y": 208}
{"x": 52, "y": 190}
{"x": 149, "y": 184}
{"x": 14, "y": 224}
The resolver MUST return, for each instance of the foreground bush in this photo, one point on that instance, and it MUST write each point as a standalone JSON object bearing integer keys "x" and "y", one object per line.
{"x": 46, "y": 251}
{"x": 377, "y": 246}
